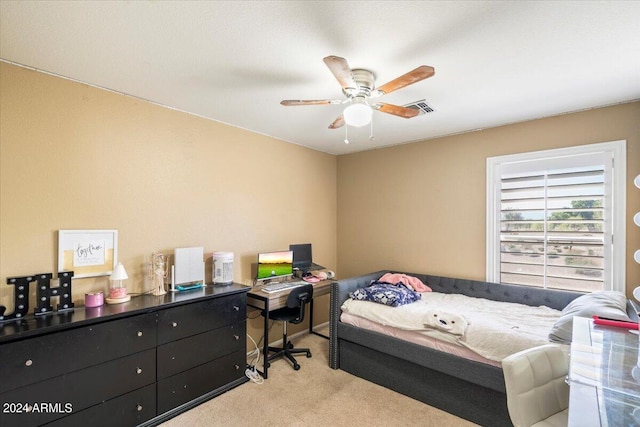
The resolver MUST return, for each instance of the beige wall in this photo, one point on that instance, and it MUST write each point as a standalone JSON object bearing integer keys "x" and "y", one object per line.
{"x": 421, "y": 207}
{"x": 76, "y": 157}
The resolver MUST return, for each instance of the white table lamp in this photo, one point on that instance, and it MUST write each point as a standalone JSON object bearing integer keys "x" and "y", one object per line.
{"x": 117, "y": 291}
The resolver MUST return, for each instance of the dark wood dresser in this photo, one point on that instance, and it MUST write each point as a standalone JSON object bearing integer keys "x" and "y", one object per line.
{"x": 137, "y": 363}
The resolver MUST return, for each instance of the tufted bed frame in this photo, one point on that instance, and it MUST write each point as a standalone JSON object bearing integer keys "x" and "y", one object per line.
{"x": 469, "y": 389}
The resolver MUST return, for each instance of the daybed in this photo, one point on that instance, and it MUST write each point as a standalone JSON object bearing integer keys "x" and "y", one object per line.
{"x": 470, "y": 389}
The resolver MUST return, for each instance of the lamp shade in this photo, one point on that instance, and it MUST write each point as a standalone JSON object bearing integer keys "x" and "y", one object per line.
{"x": 357, "y": 114}
{"x": 119, "y": 273}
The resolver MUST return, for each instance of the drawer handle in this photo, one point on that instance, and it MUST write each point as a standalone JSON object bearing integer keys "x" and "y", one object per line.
{"x": 236, "y": 308}
{"x": 174, "y": 324}
{"x": 139, "y": 333}
{"x": 138, "y": 371}
{"x": 28, "y": 362}
{"x": 237, "y": 367}
{"x": 236, "y": 337}
{"x": 139, "y": 407}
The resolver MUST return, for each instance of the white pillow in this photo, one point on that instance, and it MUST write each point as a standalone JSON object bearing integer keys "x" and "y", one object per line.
{"x": 611, "y": 304}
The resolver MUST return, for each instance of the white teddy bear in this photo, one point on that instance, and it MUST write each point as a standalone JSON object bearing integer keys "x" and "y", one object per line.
{"x": 449, "y": 322}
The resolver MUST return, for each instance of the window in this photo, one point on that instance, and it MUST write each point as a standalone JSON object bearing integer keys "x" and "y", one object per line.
{"x": 555, "y": 218}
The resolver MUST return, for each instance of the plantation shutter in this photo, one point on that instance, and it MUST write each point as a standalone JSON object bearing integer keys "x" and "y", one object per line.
{"x": 555, "y": 222}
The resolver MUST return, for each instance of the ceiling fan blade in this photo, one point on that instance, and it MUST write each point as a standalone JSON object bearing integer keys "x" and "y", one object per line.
{"x": 341, "y": 70}
{"x": 337, "y": 123}
{"x": 292, "y": 102}
{"x": 396, "y": 110}
{"x": 414, "y": 76}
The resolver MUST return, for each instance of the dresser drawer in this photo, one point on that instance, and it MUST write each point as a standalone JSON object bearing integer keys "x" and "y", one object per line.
{"x": 189, "y": 352}
{"x": 35, "y": 359}
{"x": 130, "y": 409}
{"x": 186, "y": 386}
{"x": 191, "y": 319}
{"x": 76, "y": 391}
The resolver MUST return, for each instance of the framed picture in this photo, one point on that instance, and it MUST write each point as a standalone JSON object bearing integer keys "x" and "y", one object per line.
{"x": 87, "y": 253}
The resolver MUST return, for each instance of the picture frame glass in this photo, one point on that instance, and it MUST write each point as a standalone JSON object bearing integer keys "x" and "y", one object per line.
{"x": 88, "y": 253}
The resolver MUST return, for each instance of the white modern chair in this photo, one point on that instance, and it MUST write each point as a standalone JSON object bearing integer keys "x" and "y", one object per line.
{"x": 537, "y": 394}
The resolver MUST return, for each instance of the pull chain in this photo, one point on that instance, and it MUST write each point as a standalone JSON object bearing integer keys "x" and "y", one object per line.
{"x": 371, "y": 131}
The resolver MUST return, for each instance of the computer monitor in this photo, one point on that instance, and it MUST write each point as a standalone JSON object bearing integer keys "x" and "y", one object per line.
{"x": 301, "y": 255}
{"x": 275, "y": 265}
{"x": 302, "y": 258}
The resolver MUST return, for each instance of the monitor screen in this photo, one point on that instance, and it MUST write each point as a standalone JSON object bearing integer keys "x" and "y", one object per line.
{"x": 272, "y": 265}
{"x": 301, "y": 254}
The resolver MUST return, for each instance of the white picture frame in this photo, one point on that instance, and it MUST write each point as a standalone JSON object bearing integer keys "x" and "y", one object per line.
{"x": 88, "y": 253}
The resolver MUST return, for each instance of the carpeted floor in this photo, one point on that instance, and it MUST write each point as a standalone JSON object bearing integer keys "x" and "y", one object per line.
{"x": 316, "y": 395}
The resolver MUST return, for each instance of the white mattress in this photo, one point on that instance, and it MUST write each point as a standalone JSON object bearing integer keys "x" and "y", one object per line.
{"x": 495, "y": 329}
{"x": 416, "y": 338}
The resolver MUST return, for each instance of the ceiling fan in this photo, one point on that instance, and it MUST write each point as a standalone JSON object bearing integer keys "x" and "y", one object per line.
{"x": 359, "y": 87}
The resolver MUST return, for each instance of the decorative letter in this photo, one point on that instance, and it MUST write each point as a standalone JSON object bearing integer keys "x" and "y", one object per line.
{"x": 45, "y": 292}
{"x": 20, "y": 298}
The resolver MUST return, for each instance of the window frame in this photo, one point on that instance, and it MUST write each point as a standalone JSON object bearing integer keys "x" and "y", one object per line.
{"x": 618, "y": 151}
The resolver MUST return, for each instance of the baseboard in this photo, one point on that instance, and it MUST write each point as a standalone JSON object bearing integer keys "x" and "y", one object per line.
{"x": 278, "y": 343}
{"x": 322, "y": 325}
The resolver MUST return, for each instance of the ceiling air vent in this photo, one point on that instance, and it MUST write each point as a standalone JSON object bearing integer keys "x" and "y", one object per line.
{"x": 421, "y": 106}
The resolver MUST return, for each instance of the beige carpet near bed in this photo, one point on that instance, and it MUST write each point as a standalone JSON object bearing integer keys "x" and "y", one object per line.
{"x": 316, "y": 395}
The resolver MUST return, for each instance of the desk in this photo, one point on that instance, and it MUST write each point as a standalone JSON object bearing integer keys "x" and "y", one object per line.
{"x": 604, "y": 376}
{"x": 263, "y": 301}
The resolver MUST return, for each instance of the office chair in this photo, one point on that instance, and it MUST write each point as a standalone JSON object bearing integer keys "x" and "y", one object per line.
{"x": 293, "y": 313}
{"x": 537, "y": 393}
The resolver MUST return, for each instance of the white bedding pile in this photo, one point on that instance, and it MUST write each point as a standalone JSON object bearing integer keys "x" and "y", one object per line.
{"x": 495, "y": 330}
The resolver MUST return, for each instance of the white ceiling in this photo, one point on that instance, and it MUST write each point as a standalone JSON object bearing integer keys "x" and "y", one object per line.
{"x": 496, "y": 62}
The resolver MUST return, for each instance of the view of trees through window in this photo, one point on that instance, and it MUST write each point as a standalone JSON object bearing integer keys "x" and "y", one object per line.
{"x": 552, "y": 229}
{"x": 556, "y": 218}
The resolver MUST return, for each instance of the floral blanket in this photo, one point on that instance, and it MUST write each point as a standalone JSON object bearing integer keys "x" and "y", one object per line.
{"x": 386, "y": 293}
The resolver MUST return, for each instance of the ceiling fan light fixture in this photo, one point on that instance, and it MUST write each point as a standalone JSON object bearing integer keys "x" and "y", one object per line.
{"x": 358, "y": 85}
{"x": 358, "y": 114}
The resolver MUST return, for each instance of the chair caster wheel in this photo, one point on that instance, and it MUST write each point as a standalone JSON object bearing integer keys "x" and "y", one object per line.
{"x": 289, "y": 345}
{"x": 308, "y": 354}
{"x": 296, "y": 367}
{"x": 268, "y": 365}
